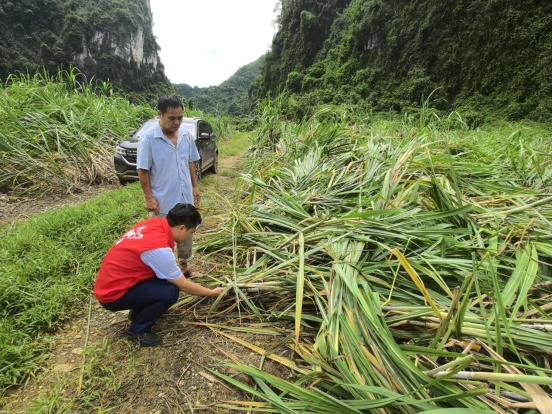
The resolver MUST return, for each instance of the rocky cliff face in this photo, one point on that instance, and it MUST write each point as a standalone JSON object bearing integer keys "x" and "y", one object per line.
{"x": 107, "y": 39}
{"x": 131, "y": 51}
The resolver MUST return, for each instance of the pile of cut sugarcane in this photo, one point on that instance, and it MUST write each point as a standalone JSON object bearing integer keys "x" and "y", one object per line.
{"x": 412, "y": 265}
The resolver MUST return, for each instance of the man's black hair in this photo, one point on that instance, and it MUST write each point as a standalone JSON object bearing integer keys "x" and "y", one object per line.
{"x": 168, "y": 102}
{"x": 184, "y": 214}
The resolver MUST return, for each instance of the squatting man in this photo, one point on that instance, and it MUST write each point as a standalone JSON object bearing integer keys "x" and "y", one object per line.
{"x": 141, "y": 274}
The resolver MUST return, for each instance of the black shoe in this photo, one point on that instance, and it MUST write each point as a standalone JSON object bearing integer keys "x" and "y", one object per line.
{"x": 146, "y": 339}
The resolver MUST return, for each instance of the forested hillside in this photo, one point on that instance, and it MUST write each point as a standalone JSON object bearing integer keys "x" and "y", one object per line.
{"x": 231, "y": 96}
{"x": 394, "y": 54}
{"x": 108, "y": 39}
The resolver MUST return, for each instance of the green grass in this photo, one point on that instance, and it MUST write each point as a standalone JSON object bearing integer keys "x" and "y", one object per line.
{"x": 237, "y": 144}
{"x": 48, "y": 265}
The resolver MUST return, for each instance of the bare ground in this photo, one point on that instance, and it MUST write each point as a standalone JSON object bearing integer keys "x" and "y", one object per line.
{"x": 94, "y": 369}
{"x": 22, "y": 208}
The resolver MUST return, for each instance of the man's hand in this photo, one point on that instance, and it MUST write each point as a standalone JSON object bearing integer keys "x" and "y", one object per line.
{"x": 145, "y": 181}
{"x": 197, "y": 196}
{"x": 217, "y": 291}
{"x": 152, "y": 205}
{"x": 187, "y": 286}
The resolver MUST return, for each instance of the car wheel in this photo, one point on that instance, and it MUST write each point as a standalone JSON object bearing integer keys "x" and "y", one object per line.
{"x": 123, "y": 182}
{"x": 215, "y": 167}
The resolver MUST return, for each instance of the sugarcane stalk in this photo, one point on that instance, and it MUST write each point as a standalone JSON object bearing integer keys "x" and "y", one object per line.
{"x": 497, "y": 377}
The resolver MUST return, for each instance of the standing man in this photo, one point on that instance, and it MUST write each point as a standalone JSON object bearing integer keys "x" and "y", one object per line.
{"x": 166, "y": 166}
{"x": 140, "y": 272}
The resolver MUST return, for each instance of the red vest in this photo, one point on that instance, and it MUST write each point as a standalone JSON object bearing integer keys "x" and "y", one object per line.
{"x": 123, "y": 268}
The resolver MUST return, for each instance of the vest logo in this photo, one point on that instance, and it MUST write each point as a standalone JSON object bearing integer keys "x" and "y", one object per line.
{"x": 134, "y": 234}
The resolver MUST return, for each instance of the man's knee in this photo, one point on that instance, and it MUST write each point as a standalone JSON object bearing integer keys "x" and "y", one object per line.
{"x": 172, "y": 293}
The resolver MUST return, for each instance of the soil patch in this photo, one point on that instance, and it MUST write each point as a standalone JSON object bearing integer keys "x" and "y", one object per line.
{"x": 22, "y": 208}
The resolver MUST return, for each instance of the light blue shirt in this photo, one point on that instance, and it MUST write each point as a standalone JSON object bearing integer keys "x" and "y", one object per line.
{"x": 163, "y": 263}
{"x": 169, "y": 166}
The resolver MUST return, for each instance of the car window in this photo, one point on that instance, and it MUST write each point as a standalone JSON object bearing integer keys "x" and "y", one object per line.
{"x": 204, "y": 127}
{"x": 190, "y": 127}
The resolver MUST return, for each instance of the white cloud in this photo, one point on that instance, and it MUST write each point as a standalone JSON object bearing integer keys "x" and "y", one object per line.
{"x": 203, "y": 42}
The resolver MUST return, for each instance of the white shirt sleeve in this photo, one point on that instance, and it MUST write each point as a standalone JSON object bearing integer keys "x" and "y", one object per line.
{"x": 163, "y": 263}
{"x": 144, "y": 155}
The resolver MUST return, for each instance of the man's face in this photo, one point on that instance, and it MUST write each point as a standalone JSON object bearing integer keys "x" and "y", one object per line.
{"x": 170, "y": 121}
{"x": 182, "y": 233}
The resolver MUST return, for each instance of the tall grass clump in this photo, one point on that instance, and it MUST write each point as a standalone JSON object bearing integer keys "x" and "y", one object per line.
{"x": 58, "y": 133}
{"x": 222, "y": 125}
{"x": 409, "y": 258}
{"x": 47, "y": 266}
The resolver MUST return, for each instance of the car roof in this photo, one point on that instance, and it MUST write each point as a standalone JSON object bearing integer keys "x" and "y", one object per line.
{"x": 185, "y": 119}
{"x": 190, "y": 120}
{"x": 150, "y": 122}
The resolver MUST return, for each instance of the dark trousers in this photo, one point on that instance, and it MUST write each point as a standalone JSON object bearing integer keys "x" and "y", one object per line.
{"x": 149, "y": 300}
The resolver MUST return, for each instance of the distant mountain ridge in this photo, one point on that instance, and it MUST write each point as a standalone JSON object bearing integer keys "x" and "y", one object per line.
{"x": 231, "y": 97}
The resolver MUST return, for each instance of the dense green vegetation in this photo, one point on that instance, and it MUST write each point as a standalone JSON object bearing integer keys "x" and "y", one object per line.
{"x": 231, "y": 97}
{"x": 97, "y": 37}
{"x": 47, "y": 266}
{"x": 57, "y": 134}
{"x": 406, "y": 258}
{"x": 393, "y": 55}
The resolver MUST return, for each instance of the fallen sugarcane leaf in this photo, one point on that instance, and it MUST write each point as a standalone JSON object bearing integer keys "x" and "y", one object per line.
{"x": 277, "y": 358}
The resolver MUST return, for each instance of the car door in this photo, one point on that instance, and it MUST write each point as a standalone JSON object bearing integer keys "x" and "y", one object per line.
{"x": 205, "y": 144}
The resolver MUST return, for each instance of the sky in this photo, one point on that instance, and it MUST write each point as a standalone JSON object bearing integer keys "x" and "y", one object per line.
{"x": 204, "y": 42}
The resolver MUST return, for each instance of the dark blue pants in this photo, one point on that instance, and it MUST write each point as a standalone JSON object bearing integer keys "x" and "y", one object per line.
{"x": 149, "y": 300}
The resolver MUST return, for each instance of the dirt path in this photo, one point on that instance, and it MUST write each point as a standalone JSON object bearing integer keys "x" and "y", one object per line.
{"x": 93, "y": 369}
{"x": 22, "y": 208}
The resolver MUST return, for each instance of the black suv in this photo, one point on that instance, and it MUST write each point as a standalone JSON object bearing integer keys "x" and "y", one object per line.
{"x": 204, "y": 137}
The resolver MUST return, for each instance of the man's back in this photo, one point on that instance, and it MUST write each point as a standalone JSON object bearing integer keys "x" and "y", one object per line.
{"x": 123, "y": 267}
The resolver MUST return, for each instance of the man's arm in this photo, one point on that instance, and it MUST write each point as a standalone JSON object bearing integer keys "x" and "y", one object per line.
{"x": 144, "y": 163}
{"x": 163, "y": 262}
{"x": 145, "y": 181}
{"x": 195, "y": 184}
{"x": 192, "y": 288}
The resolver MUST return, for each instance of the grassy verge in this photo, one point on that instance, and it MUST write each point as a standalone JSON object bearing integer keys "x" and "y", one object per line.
{"x": 236, "y": 145}
{"x": 47, "y": 265}
{"x": 102, "y": 378}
